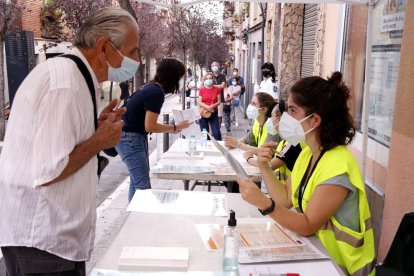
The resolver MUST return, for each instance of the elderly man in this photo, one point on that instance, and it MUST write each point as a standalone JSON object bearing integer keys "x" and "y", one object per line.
{"x": 48, "y": 165}
{"x": 219, "y": 81}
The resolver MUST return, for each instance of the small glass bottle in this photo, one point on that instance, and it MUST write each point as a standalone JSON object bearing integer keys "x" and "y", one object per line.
{"x": 204, "y": 138}
{"x": 231, "y": 244}
{"x": 192, "y": 146}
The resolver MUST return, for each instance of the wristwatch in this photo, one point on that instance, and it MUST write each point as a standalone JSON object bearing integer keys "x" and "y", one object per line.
{"x": 268, "y": 210}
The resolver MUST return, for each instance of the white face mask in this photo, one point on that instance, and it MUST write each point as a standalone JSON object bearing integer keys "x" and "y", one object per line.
{"x": 214, "y": 68}
{"x": 252, "y": 112}
{"x": 270, "y": 127}
{"x": 291, "y": 129}
{"x": 127, "y": 70}
{"x": 234, "y": 83}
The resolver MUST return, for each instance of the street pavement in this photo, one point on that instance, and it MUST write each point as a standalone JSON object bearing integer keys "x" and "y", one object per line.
{"x": 114, "y": 183}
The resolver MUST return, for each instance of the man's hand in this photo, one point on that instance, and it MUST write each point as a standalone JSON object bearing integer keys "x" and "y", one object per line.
{"x": 111, "y": 112}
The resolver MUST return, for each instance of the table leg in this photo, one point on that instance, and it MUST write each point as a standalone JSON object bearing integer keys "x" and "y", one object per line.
{"x": 186, "y": 184}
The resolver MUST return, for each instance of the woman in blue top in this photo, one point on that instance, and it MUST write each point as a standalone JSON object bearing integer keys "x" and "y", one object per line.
{"x": 143, "y": 109}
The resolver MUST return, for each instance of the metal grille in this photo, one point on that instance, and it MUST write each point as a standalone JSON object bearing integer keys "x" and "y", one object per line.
{"x": 310, "y": 25}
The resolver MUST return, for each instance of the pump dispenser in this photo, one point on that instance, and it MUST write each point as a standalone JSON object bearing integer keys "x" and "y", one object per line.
{"x": 231, "y": 244}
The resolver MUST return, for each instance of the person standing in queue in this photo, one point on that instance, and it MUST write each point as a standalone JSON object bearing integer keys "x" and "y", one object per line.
{"x": 143, "y": 109}
{"x": 326, "y": 187}
{"x": 48, "y": 164}
{"x": 219, "y": 80}
{"x": 209, "y": 100}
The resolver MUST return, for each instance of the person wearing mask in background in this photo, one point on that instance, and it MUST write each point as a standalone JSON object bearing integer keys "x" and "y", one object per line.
{"x": 235, "y": 92}
{"x": 49, "y": 164}
{"x": 219, "y": 80}
{"x": 141, "y": 118}
{"x": 326, "y": 186}
{"x": 269, "y": 84}
{"x": 259, "y": 110}
{"x": 240, "y": 80}
{"x": 209, "y": 99}
{"x": 286, "y": 154}
{"x": 228, "y": 98}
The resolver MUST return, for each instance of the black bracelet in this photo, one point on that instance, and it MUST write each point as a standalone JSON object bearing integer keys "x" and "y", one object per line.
{"x": 248, "y": 158}
{"x": 268, "y": 210}
{"x": 175, "y": 128}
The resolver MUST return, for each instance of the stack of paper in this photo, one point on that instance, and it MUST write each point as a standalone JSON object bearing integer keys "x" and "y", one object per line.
{"x": 182, "y": 155}
{"x": 154, "y": 258}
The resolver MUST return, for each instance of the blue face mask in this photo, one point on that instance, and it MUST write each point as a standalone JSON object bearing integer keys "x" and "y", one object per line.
{"x": 214, "y": 68}
{"x": 127, "y": 70}
{"x": 208, "y": 83}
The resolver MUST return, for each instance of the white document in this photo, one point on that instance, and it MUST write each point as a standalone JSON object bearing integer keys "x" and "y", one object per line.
{"x": 164, "y": 168}
{"x": 153, "y": 258}
{"x": 261, "y": 240}
{"x": 192, "y": 115}
{"x": 179, "y": 202}
{"x": 238, "y": 169}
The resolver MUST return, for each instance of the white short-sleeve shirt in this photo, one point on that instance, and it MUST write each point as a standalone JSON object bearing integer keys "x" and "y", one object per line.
{"x": 270, "y": 87}
{"x": 52, "y": 112}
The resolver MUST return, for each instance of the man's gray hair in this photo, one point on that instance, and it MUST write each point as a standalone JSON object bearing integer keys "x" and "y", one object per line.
{"x": 112, "y": 23}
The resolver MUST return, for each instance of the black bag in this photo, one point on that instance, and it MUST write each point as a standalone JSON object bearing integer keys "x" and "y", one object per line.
{"x": 111, "y": 152}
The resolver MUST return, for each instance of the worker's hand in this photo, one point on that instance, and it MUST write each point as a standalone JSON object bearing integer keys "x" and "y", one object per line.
{"x": 251, "y": 193}
{"x": 230, "y": 142}
{"x": 265, "y": 154}
{"x": 247, "y": 154}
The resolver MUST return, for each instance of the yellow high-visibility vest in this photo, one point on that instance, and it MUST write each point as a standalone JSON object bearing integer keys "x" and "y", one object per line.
{"x": 282, "y": 172}
{"x": 353, "y": 251}
{"x": 259, "y": 133}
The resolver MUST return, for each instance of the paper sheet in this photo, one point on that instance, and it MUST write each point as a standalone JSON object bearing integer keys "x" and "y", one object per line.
{"x": 238, "y": 169}
{"x": 311, "y": 268}
{"x": 179, "y": 202}
{"x": 261, "y": 241}
{"x": 192, "y": 115}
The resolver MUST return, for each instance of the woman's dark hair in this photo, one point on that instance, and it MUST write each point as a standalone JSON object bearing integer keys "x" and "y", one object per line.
{"x": 282, "y": 106}
{"x": 329, "y": 99}
{"x": 266, "y": 100}
{"x": 169, "y": 72}
{"x": 269, "y": 66}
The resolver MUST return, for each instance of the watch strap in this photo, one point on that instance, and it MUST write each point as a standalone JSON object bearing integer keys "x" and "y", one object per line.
{"x": 268, "y": 210}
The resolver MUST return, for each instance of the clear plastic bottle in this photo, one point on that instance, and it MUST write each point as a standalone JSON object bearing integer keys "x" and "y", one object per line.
{"x": 204, "y": 137}
{"x": 192, "y": 146}
{"x": 231, "y": 244}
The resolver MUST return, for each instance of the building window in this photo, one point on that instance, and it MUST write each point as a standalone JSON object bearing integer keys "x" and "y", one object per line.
{"x": 388, "y": 22}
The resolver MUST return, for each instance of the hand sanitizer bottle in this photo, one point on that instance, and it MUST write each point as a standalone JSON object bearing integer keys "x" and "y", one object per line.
{"x": 204, "y": 138}
{"x": 231, "y": 244}
{"x": 192, "y": 146}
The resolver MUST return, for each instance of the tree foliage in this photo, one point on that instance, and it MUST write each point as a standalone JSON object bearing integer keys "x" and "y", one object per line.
{"x": 62, "y": 18}
{"x": 199, "y": 35}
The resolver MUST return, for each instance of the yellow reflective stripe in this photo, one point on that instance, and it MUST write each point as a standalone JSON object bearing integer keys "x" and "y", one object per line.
{"x": 345, "y": 237}
{"x": 366, "y": 270}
